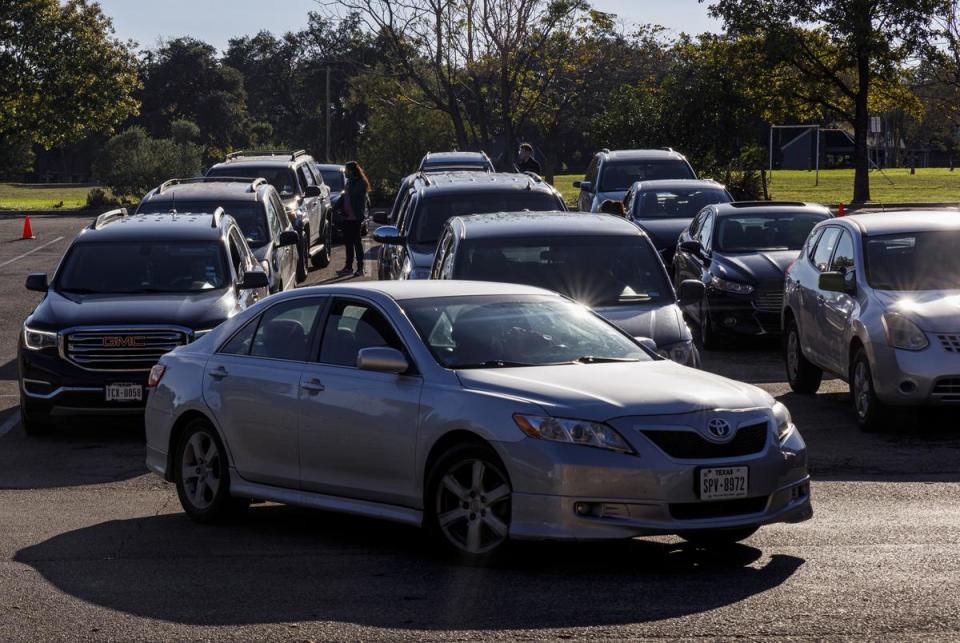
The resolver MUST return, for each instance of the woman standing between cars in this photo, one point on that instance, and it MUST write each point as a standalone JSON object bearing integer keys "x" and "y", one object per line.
{"x": 354, "y": 205}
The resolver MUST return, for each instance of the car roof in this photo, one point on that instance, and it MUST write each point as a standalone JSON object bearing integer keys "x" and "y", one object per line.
{"x": 876, "y": 223}
{"x": 743, "y": 207}
{"x": 404, "y": 289}
{"x": 641, "y": 155}
{"x": 679, "y": 184}
{"x": 207, "y": 191}
{"x": 466, "y": 181}
{"x": 259, "y": 161}
{"x": 184, "y": 226}
{"x": 511, "y": 225}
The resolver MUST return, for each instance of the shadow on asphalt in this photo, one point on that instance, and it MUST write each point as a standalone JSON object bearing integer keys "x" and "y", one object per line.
{"x": 287, "y": 565}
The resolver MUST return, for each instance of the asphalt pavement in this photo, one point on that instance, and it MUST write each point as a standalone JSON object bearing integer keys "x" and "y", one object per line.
{"x": 92, "y": 547}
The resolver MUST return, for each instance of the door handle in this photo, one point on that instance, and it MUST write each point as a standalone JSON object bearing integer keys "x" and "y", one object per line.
{"x": 314, "y": 386}
{"x": 219, "y": 373}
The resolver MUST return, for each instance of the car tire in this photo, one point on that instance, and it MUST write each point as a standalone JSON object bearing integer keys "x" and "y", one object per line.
{"x": 803, "y": 375}
{"x": 709, "y": 336}
{"x": 202, "y": 476}
{"x": 718, "y": 537}
{"x": 302, "y": 254}
{"x": 468, "y": 503}
{"x": 872, "y": 414}
{"x": 322, "y": 258}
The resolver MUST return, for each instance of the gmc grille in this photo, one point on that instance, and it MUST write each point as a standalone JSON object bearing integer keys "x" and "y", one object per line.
{"x": 122, "y": 349}
{"x": 690, "y": 445}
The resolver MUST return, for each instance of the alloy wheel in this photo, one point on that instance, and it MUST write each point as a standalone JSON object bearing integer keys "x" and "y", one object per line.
{"x": 201, "y": 470}
{"x": 473, "y": 506}
{"x": 793, "y": 358}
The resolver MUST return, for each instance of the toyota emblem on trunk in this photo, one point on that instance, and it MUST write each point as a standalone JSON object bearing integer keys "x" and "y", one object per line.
{"x": 719, "y": 427}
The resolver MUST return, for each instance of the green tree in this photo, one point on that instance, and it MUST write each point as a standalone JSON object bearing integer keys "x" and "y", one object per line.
{"x": 851, "y": 46}
{"x": 131, "y": 163}
{"x": 64, "y": 74}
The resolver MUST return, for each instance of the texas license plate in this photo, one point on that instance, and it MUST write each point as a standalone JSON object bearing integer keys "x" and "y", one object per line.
{"x": 124, "y": 393}
{"x": 724, "y": 482}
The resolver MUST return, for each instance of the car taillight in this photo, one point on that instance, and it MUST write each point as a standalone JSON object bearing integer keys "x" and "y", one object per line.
{"x": 156, "y": 374}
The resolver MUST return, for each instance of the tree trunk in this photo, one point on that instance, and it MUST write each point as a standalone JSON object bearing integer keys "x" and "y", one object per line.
{"x": 861, "y": 128}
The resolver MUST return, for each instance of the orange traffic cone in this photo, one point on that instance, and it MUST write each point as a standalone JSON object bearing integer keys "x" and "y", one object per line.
{"x": 27, "y": 229}
{"x": 840, "y": 211}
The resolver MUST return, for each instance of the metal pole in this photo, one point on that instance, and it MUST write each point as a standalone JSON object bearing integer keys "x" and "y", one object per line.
{"x": 329, "y": 109}
{"x": 818, "y": 156}
{"x": 770, "y": 150}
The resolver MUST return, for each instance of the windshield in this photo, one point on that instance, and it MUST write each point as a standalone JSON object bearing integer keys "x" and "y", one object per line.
{"x": 618, "y": 176}
{"x": 764, "y": 231}
{"x": 434, "y": 210}
{"x": 129, "y": 267}
{"x": 249, "y": 215}
{"x": 914, "y": 261}
{"x": 685, "y": 204}
{"x": 334, "y": 179}
{"x": 596, "y": 271}
{"x": 282, "y": 178}
{"x": 495, "y": 331}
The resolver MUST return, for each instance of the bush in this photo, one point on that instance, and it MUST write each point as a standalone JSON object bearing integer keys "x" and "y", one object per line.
{"x": 131, "y": 163}
{"x": 100, "y": 198}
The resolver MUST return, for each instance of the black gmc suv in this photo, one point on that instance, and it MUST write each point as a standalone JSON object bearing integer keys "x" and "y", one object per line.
{"x": 305, "y": 196}
{"x": 128, "y": 290}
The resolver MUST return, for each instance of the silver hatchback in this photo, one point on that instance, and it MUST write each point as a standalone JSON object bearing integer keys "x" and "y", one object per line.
{"x": 875, "y": 300}
{"x": 484, "y": 412}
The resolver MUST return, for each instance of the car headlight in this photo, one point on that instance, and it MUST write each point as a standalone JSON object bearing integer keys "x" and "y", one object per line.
{"x": 903, "y": 333}
{"x": 680, "y": 352}
{"x": 37, "y": 340}
{"x": 727, "y": 285}
{"x": 784, "y": 422}
{"x": 584, "y": 432}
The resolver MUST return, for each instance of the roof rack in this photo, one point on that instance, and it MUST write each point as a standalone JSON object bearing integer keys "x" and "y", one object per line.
{"x": 534, "y": 178}
{"x": 668, "y": 149}
{"x": 109, "y": 217}
{"x": 254, "y": 183}
{"x": 241, "y": 153}
{"x": 421, "y": 175}
{"x": 760, "y": 204}
{"x": 217, "y": 217}
{"x": 605, "y": 150}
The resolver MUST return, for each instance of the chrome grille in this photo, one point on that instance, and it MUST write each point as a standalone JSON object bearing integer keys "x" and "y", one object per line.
{"x": 120, "y": 349}
{"x": 769, "y": 301}
{"x": 950, "y": 342}
{"x": 947, "y": 389}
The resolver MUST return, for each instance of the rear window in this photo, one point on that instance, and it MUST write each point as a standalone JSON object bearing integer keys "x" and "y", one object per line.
{"x": 333, "y": 178}
{"x": 618, "y": 176}
{"x": 282, "y": 178}
{"x": 248, "y": 214}
{"x": 435, "y": 210}
{"x": 665, "y": 204}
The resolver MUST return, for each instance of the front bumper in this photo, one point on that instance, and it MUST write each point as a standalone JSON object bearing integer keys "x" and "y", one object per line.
{"x": 743, "y": 314}
{"x": 916, "y": 378}
{"x": 569, "y": 492}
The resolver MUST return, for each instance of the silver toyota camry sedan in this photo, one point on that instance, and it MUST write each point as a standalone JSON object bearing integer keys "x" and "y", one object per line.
{"x": 484, "y": 412}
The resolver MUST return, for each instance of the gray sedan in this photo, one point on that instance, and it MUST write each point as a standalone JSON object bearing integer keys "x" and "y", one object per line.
{"x": 484, "y": 412}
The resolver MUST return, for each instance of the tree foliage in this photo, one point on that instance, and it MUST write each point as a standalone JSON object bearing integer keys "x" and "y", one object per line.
{"x": 131, "y": 163}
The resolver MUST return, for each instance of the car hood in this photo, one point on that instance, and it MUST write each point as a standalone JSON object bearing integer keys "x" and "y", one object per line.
{"x": 935, "y": 311}
{"x": 754, "y": 267}
{"x": 664, "y": 232}
{"x": 661, "y": 323}
{"x": 421, "y": 254}
{"x": 601, "y": 392}
{"x": 202, "y": 310}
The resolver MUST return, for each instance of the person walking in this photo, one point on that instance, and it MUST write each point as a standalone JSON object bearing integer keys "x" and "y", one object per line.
{"x": 354, "y": 203}
{"x": 525, "y": 160}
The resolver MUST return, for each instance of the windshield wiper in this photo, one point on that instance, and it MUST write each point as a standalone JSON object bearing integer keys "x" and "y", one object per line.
{"x": 594, "y": 359}
{"x": 497, "y": 363}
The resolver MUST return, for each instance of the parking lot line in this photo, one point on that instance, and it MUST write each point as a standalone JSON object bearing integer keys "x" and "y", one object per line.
{"x": 30, "y": 252}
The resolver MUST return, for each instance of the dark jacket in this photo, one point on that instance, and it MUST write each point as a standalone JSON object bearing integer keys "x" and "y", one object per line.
{"x": 356, "y": 191}
{"x": 530, "y": 165}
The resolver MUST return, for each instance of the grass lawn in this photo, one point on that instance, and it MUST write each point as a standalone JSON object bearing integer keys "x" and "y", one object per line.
{"x": 43, "y": 196}
{"x": 928, "y": 185}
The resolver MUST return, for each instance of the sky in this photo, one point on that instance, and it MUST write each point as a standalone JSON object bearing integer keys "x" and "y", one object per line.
{"x": 216, "y": 21}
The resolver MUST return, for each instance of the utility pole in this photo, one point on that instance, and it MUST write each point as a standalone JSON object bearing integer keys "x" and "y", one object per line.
{"x": 329, "y": 109}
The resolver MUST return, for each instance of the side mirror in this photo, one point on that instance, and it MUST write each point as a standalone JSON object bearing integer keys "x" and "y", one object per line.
{"x": 312, "y": 191}
{"x": 646, "y": 342}
{"x": 691, "y": 291}
{"x": 586, "y": 186}
{"x": 382, "y": 359}
{"x": 577, "y": 184}
{"x": 381, "y": 216}
{"x": 693, "y": 247}
{"x": 37, "y": 282}
{"x": 254, "y": 279}
{"x": 837, "y": 282}
{"x": 289, "y": 238}
{"x": 387, "y": 234}
{"x": 611, "y": 206}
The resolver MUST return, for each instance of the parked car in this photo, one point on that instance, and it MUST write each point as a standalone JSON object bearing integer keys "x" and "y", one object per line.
{"x": 483, "y": 412}
{"x": 665, "y": 208}
{"x": 305, "y": 197}
{"x": 873, "y": 300}
{"x": 408, "y": 246}
{"x": 740, "y": 252}
{"x": 254, "y": 205}
{"x": 610, "y": 174}
{"x": 128, "y": 290}
{"x": 602, "y": 261}
{"x": 455, "y": 162}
